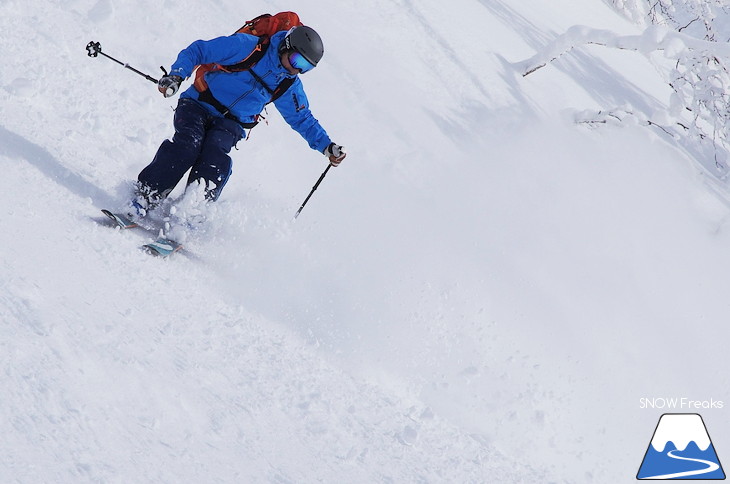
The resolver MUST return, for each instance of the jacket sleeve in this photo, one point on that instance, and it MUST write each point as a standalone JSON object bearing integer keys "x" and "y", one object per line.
{"x": 221, "y": 50}
{"x": 294, "y": 108}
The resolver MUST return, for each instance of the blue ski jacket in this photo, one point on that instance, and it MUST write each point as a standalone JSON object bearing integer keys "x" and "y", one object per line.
{"x": 241, "y": 93}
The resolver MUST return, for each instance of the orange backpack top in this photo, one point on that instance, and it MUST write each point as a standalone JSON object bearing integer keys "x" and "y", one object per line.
{"x": 268, "y": 24}
{"x": 263, "y": 26}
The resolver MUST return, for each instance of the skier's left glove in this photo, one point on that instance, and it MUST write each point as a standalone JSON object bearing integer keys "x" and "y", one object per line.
{"x": 335, "y": 153}
{"x": 169, "y": 85}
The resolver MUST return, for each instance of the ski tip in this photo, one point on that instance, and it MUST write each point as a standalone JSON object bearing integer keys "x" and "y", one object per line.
{"x": 121, "y": 221}
{"x": 162, "y": 247}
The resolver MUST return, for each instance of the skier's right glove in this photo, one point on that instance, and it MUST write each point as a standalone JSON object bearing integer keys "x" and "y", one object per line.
{"x": 335, "y": 153}
{"x": 169, "y": 85}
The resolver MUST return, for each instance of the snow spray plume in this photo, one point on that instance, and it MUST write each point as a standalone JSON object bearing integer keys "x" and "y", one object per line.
{"x": 94, "y": 49}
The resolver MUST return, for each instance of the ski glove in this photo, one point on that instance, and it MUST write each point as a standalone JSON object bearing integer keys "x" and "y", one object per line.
{"x": 169, "y": 85}
{"x": 335, "y": 153}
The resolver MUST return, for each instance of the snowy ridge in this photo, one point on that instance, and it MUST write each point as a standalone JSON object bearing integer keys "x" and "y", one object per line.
{"x": 445, "y": 308}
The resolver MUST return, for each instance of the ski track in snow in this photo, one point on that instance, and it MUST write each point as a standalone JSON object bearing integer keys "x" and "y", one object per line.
{"x": 443, "y": 310}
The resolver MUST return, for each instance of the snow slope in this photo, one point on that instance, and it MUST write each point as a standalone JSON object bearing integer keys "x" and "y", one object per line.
{"x": 482, "y": 292}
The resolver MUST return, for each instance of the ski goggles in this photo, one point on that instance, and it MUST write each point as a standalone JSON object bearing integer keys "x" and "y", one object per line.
{"x": 298, "y": 61}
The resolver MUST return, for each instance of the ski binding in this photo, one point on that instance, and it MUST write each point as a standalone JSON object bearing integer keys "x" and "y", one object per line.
{"x": 162, "y": 246}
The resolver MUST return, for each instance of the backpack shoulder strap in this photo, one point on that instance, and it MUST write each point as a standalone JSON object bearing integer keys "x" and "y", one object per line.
{"x": 256, "y": 55}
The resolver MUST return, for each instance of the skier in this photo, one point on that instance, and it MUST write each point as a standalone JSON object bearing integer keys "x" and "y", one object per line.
{"x": 215, "y": 112}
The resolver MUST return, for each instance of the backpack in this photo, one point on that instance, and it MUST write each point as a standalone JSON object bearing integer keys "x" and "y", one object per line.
{"x": 263, "y": 26}
{"x": 268, "y": 24}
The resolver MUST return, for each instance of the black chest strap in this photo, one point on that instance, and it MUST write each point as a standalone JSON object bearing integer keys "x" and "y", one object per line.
{"x": 277, "y": 92}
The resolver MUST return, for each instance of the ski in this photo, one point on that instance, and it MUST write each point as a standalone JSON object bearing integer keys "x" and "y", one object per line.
{"x": 161, "y": 246}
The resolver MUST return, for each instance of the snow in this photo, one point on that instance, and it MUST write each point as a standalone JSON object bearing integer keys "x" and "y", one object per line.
{"x": 481, "y": 292}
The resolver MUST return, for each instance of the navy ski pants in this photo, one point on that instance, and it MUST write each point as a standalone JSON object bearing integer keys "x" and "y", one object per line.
{"x": 201, "y": 144}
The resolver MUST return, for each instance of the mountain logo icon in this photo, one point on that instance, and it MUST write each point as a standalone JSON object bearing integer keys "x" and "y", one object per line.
{"x": 680, "y": 449}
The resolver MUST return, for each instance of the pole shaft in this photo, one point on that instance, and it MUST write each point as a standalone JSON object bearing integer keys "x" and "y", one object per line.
{"x": 123, "y": 64}
{"x": 316, "y": 185}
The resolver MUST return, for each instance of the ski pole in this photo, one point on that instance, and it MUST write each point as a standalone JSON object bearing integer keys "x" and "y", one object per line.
{"x": 93, "y": 49}
{"x": 316, "y": 185}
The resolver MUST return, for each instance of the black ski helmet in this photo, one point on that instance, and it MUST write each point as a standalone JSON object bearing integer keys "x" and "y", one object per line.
{"x": 306, "y": 41}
